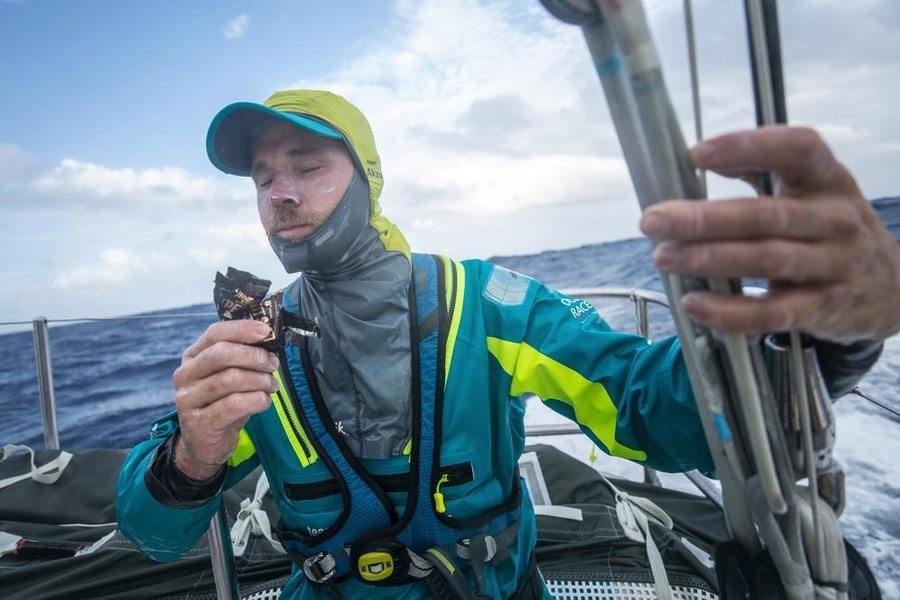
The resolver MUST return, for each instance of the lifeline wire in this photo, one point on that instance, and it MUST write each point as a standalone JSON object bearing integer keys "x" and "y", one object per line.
{"x": 859, "y": 393}
{"x": 132, "y": 317}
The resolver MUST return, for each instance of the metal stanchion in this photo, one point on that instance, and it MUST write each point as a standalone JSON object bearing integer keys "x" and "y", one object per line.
{"x": 45, "y": 382}
{"x": 222, "y": 557}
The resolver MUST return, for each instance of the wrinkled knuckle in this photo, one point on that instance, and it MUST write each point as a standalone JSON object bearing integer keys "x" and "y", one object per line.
{"x": 179, "y": 376}
{"x": 262, "y": 401}
{"x": 831, "y": 304}
{"x": 181, "y": 398}
{"x": 714, "y": 257}
{"x": 699, "y": 217}
{"x": 695, "y": 257}
{"x": 261, "y": 356}
{"x": 212, "y": 415}
{"x": 785, "y": 260}
{"x": 807, "y": 140}
{"x": 846, "y": 221}
{"x": 208, "y": 334}
{"x": 231, "y": 378}
{"x": 718, "y": 322}
{"x": 214, "y": 352}
{"x": 716, "y": 319}
{"x": 782, "y": 317}
{"x": 834, "y": 298}
{"x": 773, "y": 216}
{"x": 853, "y": 264}
{"x": 229, "y": 403}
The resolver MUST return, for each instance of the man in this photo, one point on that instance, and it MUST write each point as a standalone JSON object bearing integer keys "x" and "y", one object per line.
{"x": 396, "y": 433}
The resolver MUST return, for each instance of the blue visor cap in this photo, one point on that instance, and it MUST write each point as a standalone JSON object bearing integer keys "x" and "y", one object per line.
{"x": 231, "y": 131}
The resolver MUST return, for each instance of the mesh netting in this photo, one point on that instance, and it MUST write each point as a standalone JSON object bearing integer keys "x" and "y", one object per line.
{"x": 617, "y": 590}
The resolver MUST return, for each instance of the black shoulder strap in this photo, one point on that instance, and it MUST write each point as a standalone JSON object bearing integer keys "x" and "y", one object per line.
{"x": 427, "y": 274}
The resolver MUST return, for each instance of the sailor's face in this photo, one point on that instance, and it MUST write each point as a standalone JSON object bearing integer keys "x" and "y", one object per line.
{"x": 300, "y": 178}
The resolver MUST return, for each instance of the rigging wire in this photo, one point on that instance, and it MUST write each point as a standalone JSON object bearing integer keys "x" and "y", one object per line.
{"x": 864, "y": 396}
{"x": 695, "y": 79}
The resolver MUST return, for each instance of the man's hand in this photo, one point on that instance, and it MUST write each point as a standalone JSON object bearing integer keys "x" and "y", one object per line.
{"x": 222, "y": 380}
{"x": 833, "y": 268}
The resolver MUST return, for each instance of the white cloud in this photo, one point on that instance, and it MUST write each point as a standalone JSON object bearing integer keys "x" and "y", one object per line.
{"x": 113, "y": 267}
{"x": 835, "y": 132}
{"x": 237, "y": 27}
{"x": 133, "y": 189}
{"x": 16, "y": 164}
{"x": 475, "y": 114}
{"x": 217, "y": 245}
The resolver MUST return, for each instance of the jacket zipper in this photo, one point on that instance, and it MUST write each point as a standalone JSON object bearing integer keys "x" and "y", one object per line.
{"x": 287, "y": 409}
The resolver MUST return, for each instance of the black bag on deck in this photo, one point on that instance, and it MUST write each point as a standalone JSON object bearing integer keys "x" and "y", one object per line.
{"x": 85, "y": 495}
{"x": 594, "y": 558}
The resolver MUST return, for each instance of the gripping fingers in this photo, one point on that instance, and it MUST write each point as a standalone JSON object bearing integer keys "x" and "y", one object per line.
{"x": 224, "y": 355}
{"x": 797, "y": 154}
{"x": 740, "y": 314}
{"x": 779, "y": 260}
{"x": 242, "y": 331}
{"x": 816, "y": 310}
{"x": 222, "y": 384}
{"x": 210, "y": 433}
{"x": 751, "y": 218}
{"x": 207, "y": 423}
{"x": 234, "y": 409}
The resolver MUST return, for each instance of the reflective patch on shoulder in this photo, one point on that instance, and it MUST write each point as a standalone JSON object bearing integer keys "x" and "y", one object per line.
{"x": 506, "y": 287}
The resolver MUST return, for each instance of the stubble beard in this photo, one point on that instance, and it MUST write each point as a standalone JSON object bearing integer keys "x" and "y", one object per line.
{"x": 284, "y": 217}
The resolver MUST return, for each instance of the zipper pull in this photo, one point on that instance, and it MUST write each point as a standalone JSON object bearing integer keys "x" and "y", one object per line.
{"x": 407, "y": 450}
{"x": 438, "y": 496}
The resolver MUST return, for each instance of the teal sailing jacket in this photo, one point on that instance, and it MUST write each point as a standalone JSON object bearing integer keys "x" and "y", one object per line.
{"x": 504, "y": 336}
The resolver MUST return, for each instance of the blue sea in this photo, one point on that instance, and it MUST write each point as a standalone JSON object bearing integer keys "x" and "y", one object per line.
{"x": 113, "y": 377}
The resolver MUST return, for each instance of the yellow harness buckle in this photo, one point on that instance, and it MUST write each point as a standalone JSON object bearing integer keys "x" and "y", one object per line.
{"x": 375, "y": 565}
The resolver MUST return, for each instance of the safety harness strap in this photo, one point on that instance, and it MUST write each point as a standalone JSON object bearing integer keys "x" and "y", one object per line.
{"x": 391, "y": 553}
{"x": 372, "y": 511}
{"x": 481, "y": 549}
{"x": 435, "y": 567}
{"x": 446, "y": 575}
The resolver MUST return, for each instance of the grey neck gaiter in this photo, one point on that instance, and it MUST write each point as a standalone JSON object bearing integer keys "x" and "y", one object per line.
{"x": 329, "y": 248}
{"x": 358, "y": 293}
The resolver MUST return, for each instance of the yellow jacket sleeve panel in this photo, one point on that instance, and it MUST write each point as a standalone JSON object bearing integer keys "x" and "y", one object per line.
{"x": 630, "y": 396}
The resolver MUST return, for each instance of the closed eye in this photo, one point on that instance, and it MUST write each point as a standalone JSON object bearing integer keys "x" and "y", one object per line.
{"x": 305, "y": 169}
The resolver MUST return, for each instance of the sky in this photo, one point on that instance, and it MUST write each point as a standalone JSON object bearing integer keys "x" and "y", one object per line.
{"x": 493, "y": 132}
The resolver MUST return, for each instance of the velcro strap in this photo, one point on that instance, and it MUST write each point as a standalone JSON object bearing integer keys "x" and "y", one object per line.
{"x": 419, "y": 567}
{"x": 496, "y": 548}
{"x": 479, "y": 548}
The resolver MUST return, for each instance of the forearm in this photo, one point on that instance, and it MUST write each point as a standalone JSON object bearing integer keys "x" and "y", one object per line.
{"x": 171, "y": 485}
{"x": 150, "y": 516}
